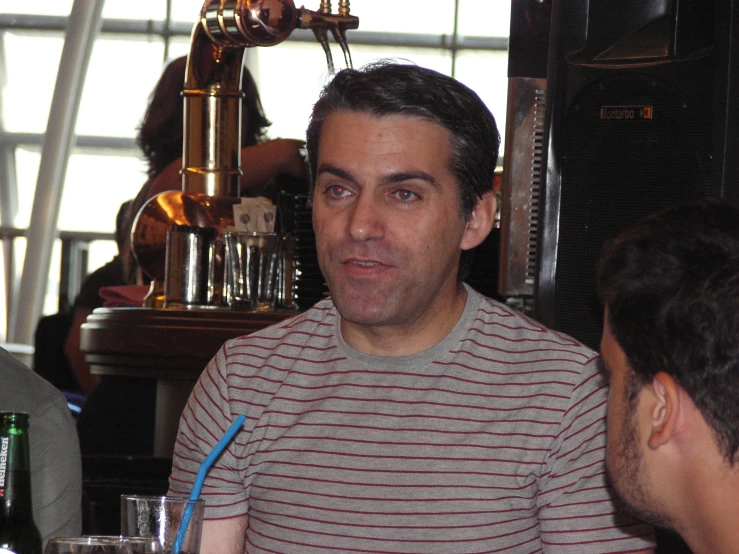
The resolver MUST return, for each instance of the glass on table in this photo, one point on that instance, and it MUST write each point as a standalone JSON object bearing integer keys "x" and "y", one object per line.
{"x": 88, "y": 545}
{"x": 139, "y": 545}
{"x": 251, "y": 269}
{"x": 159, "y": 517}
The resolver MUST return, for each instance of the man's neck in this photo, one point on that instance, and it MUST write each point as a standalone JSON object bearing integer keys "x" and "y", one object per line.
{"x": 407, "y": 339}
{"x": 710, "y": 524}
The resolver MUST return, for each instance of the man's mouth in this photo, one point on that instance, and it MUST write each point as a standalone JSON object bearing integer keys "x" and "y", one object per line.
{"x": 364, "y": 266}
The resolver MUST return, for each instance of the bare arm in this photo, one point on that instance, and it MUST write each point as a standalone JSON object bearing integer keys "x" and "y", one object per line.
{"x": 224, "y": 536}
{"x": 260, "y": 164}
{"x": 264, "y": 162}
{"x": 81, "y": 369}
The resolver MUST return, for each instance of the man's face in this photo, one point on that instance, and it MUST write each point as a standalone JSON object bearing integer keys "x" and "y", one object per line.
{"x": 386, "y": 217}
{"x": 625, "y": 460}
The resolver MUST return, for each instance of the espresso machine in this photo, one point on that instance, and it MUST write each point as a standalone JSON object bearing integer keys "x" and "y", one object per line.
{"x": 211, "y": 167}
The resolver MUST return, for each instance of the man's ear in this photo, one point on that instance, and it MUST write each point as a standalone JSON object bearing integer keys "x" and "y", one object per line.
{"x": 481, "y": 221}
{"x": 663, "y": 410}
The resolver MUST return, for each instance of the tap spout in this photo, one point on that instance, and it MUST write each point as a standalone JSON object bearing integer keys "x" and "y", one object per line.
{"x": 321, "y": 34}
{"x": 339, "y": 34}
{"x": 323, "y": 21}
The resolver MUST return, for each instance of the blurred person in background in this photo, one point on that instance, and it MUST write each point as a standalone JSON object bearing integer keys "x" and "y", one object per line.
{"x": 160, "y": 138}
{"x": 110, "y": 274}
{"x": 57, "y": 356}
{"x": 118, "y": 416}
{"x": 670, "y": 346}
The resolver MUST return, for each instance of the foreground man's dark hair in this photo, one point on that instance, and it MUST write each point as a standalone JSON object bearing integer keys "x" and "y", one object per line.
{"x": 671, "y": 286}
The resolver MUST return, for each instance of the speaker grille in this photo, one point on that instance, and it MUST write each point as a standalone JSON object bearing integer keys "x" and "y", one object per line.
{"x": 615, "y": 172}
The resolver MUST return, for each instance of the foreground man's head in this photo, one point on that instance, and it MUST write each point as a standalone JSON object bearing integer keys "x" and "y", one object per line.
{"x": 670, "y": 345}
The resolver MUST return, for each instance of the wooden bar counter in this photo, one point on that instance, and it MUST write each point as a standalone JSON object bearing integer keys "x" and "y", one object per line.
{"x": 172, "y": 346}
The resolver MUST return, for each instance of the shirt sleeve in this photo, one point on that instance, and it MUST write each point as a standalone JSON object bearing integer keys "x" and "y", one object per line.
{"x": 205, "y": 419}
{"x": 56, "y": 469}
{"x": 576, "y": 509}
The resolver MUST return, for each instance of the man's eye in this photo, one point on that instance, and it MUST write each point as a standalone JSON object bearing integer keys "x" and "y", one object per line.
{"x": 406, "y": 195}
{"x": 337, "y": 191}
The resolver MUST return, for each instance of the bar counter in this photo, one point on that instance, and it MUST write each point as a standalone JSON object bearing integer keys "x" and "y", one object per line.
{"x": 172, "y": 346}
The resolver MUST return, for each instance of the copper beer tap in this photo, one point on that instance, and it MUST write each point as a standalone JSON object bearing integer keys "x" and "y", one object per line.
{"x": 211, "y": 167}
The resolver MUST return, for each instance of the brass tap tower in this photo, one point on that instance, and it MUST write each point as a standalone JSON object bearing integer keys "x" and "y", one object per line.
{"x": 212, "y": 92}
{"x": 211, "y": 168}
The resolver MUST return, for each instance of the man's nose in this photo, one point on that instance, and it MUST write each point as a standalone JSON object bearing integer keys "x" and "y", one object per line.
{"x": 366, "y": 220}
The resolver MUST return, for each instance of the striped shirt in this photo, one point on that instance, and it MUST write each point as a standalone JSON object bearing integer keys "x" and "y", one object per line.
{"x": 491, "y": 441}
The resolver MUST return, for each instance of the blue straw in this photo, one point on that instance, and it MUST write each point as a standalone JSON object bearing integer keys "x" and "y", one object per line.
{"x": 200, "y": 479}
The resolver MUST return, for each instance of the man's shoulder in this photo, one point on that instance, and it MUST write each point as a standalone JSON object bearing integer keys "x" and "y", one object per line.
{"x": 313, "y": 327}
{"x": 507, "y": 342}
{"x": 23, "y": 390}
{"x": 253, "y": 367}
{"x": 496, "y": 321}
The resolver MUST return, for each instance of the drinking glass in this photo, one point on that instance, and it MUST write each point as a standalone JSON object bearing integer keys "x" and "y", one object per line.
{"x": 139, "y": 545}
{"x": 88, "y": 545}
{"x": 159, "y": 517}
{"x": 252, "y": 266}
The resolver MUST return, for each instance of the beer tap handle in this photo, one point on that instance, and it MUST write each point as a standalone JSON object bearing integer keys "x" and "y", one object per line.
{"x": 347, "y": 20}
{"x": 343, "y": 22}
{"x": 322, "y": 36}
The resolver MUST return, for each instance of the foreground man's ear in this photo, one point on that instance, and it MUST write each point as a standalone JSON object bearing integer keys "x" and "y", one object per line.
{"x": 664, "y": 410}
{"x": 481, "y": 221}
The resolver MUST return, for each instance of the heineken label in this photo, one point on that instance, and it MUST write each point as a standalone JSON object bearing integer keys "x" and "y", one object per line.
{"x": 3, "y": 465}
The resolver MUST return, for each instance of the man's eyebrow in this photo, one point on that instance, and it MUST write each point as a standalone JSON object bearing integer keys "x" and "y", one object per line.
{"x": 337, "y": 171}
{"x": 402, "y": 176}
{"x": 396, "y": 177}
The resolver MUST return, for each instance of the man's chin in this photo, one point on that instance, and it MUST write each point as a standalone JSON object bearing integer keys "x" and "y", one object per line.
{"x": 631, "y": 498}
{"x": 361, "y": 318}
{"x": 641, "y": 511}
{"x": 358, "y": 310}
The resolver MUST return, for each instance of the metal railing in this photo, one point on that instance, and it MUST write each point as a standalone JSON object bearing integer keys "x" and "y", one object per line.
{"x": 72, "y": 270}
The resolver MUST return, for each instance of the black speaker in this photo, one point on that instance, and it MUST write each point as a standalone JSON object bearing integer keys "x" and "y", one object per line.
{"x": 528, "y": 42}
{"x": 641, "y": 113}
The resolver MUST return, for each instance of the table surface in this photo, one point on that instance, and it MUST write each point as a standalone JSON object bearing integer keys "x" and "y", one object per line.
{"x": 164, "y": 343}
{"x": 171, "y": 346}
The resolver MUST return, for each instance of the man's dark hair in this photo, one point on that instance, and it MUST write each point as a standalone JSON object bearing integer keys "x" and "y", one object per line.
{"x": 385, "y": 88}
{"x": 671, "y": 286}
{"x": 161, "y": 131}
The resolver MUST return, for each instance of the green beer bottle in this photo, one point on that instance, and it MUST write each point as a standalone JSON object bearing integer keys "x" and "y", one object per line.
{"x": 18, "y": 532}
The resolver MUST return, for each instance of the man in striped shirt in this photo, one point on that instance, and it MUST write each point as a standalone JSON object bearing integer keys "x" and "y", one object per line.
{"x": 407, "y": 413}
{"x": 670, "y": 345}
